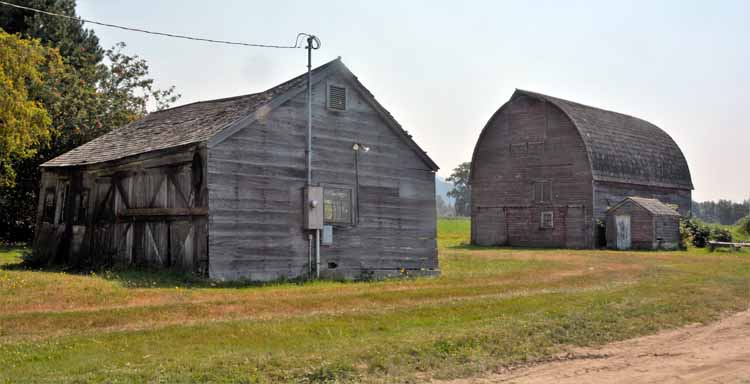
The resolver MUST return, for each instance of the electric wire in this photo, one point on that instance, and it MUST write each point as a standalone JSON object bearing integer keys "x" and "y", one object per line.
{"x": 316, "y": 41}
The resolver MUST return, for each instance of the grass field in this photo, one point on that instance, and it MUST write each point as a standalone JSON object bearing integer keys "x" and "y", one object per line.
{"x": 491, "y": 308}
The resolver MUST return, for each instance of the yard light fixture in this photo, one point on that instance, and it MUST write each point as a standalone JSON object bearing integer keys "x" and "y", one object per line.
{"x": 357, "y": 147}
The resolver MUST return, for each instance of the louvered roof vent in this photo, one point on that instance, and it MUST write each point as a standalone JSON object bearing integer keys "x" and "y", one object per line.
{"x": 336, "y": 97}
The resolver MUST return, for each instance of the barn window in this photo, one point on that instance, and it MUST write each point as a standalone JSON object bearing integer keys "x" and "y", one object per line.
{"x": 49, "y": 205}
{"x": 547, "y": 220}
{"x": 542, "y": 193}
{"x": 337, "y": 205}
{"x": 336, "y": 97}
{"x": 83, "y": 203}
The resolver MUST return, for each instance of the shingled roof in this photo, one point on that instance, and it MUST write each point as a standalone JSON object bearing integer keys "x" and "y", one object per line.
{"x": 623, "y": 148}
{"x": 199, "y": 122}
{"x": 654, "y": 206}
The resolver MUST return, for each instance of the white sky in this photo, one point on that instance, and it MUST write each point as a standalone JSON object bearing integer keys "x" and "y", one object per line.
{"x": 444, "y": 67}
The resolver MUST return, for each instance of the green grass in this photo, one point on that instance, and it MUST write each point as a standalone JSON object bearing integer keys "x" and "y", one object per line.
{"x": 490, "y": 308}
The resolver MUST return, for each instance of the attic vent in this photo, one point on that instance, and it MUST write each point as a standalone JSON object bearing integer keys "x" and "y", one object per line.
{"x": 337, "y": 98}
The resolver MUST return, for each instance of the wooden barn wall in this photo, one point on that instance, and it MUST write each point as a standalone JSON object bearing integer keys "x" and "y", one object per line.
{"x": 607, "y": 194}
{"x": 667, "y": 232}
{"x": 641, "y": 226}
{"x": 149, "y": 210}
{"x": 531, "y": 141}
{"x": 256, "y": 179}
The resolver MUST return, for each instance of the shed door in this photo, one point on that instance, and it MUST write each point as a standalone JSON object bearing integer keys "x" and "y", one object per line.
{"x": 623, "y": 231}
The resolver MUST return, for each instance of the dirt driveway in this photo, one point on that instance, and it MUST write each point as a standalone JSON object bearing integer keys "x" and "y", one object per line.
{"x": 715, "y": 353}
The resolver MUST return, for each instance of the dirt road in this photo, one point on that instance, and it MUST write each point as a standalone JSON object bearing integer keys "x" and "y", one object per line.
{"x": 715, "y": 353}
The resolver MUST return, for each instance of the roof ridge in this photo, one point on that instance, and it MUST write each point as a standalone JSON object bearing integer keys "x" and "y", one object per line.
{"x": 617, "y": 135}
{"x": 320, "y": 67}
{"x": 581, "y": 104}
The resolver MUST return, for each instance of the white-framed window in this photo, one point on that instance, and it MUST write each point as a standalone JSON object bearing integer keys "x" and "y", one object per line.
{"x": 542, "y": 192}
{"x": 337, "y": 205}
{"x": 336, "y": 97}
{"x": 547, "y": 220}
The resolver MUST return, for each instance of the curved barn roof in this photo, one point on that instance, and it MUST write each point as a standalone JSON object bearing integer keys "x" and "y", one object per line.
{"x": 623, "y": 148}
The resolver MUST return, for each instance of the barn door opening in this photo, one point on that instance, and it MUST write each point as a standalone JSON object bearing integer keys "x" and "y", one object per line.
{"x": 575, "y": 227}
{"x": 623, "y": 231}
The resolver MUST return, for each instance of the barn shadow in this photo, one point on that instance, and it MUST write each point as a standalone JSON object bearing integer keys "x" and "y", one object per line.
{"x": 15, "y": 258}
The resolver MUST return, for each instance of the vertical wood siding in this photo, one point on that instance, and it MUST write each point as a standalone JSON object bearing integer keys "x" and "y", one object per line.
{"x": 648, "y": 231}
{"x": 109, "y": 234}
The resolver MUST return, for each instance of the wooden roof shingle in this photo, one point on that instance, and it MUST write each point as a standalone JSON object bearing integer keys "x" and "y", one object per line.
{"x": 654, "y": 206}
{"x": 623, "y": 148}
{"x": 203, "y": 121}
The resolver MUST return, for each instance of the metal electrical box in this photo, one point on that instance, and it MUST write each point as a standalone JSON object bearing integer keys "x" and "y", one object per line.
{"x": 313, "y": 207}
{"x": 327, "y": 238}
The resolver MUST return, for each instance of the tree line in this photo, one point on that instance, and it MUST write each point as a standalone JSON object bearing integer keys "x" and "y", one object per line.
{"x": 59, "y": 88}
{"x": 724, "y": 212}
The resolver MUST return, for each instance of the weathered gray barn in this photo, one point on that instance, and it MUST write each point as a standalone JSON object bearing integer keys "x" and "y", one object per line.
{"x": 641, "y": 223}
{"x": 216, "y": 187}
{"x": 545, "y": 171}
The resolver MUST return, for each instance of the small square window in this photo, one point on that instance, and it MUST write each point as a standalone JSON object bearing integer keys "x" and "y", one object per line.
{"x": 337, "y": 205}
{"x": 337, "y": 97}
{"x": 547, "y": 220}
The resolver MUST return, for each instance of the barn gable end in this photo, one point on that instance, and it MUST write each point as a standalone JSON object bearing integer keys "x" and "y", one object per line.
{"x": 530, "y": 162}
{"x": 224, "y": 178}
{"x": 605, "y": 157}
{"x": 256, "y": 179}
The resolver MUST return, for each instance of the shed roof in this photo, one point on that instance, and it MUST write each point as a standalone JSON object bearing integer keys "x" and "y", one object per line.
{"x": 203, "y": 121}
{"x": 623, "y": 148}
{"x": 654, "y": 206}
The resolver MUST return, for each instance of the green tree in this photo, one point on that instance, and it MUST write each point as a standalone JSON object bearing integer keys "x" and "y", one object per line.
{"x": 78, "y": 46}
{"x": 461, "y": 191}
{"x": 90, "y": 97}
{"x": 26, "y": 69}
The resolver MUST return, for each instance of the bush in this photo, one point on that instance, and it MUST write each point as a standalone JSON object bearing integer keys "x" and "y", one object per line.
{"x": 721, "y": 234}
{"x": 695, "y": 232}
{"x": 744, "y": 225}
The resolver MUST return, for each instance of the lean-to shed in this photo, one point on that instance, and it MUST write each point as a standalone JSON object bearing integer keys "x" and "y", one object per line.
{"x": 545, "y": 170}
{"x": 641, "y": 223}
{"x": 220, "y": 188}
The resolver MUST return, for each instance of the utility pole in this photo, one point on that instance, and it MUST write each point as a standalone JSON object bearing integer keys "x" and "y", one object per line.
{"x": 311, "y": 205}
{"x": 312, "y": 43}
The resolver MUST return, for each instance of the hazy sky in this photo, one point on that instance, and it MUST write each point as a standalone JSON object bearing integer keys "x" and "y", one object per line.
{"x": 443, "y": 68}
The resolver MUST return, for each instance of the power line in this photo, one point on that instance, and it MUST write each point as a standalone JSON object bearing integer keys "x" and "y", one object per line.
{"x": 80, "y": 19}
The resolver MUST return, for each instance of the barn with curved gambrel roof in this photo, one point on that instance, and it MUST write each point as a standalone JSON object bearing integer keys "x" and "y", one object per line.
{"x": 545, "y": 170}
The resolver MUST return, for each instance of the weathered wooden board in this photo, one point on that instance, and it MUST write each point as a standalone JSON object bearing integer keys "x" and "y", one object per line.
{"x": 529, "y": 141}
{"x": 256, "y": 179}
